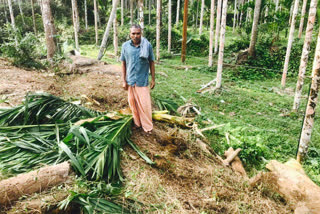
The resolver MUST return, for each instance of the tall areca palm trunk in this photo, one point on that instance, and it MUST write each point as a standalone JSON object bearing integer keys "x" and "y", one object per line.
{"x": 106, "y": 33}
{"x": 49, "y": 29}
{"x": 254, "y": 31}
{"x": 75, "y": 19}
{"x": 290, "y": 41}
{"x": 184, "y": 31}
{"x": 211, "y": 33}
{"x": 141, "y": 19}
{"x": 305, "y": 54}
{"x": 169, "y": 25}
{"x": 234, "y": 15}
{"x": 303, "y": 12}
{"x": 21, "y": 13}
{"x": 201, "y": 17}
{"x": 33, "y": 18}
{"x": 218, "y": 22}
{"x": 95, "y": 20}
{"x": 122, "y": 8}
{"x": 13, "y": 24}
{"x": 158, "y": 31}
{"x": 311, "y": 107}
{"x": 115, "y": 36}
{"x": 131, "y": 12}
{"x": 178, "y": 12}
{"x": 221, "y": 46}
{"x": 85, "y": 14}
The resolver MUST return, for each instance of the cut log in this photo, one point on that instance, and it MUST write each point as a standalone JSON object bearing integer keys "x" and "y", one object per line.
{"x": 236, "y": 164}
{"x": 35, "y": 181}
{"x": 182, "y": 121}
{"x": 295, "y": 186}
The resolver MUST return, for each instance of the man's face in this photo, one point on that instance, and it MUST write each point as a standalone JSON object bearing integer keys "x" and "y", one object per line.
{"x": 135, "y": 35}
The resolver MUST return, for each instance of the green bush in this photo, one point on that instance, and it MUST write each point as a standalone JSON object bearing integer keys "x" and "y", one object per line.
{"x": 23, "y": 50}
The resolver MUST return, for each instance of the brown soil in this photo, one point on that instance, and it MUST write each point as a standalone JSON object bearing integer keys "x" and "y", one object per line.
{"x": 183, "y": 180}
{"x": 105, "y": 88}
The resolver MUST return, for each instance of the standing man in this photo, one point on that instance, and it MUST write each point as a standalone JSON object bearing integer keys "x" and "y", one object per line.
{"x": 137, "y": 58}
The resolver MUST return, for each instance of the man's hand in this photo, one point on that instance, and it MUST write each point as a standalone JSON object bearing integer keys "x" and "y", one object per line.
{"x": 125, "y": 86}
{"x": 152, "y": 84}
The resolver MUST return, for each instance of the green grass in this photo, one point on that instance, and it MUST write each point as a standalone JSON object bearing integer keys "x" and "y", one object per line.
{"x": 252, "y": 110}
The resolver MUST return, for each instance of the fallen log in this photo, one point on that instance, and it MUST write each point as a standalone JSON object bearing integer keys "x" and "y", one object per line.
{"x": 35, "y": 181}
{"x": 236, "y": 164}
{"x": 163, "y": 116}
{"x": 295, "y": 186}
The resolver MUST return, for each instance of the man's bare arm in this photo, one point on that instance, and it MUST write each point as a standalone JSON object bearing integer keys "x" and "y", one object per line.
{"x": 153, "y": 78}
{"x": 124, "y": 74}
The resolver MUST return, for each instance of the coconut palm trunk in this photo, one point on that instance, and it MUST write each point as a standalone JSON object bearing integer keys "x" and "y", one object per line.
{"x": 201, "y": 17}
{"x": 122, "y": 8}
{"x": 178, "y": 12}
{"x": 218, "y": 22}
{"x": 169, "y": 25}
{"x": 141, "y": 19}
{"x": 106, "y": 33}
{"x": 184, "y": 32}
{"x": 290, "y": 41}
{"x": 254, "y": 31}
{"x": 33, "y": 18}
{"x": 85, "y": 14}
{"x": 149, "y": 12}
{"x": 221, "y": 46}
{"x": 305, "y": 54}
{"x": 115, "y": 36}
{"x": 211, "y": 33}
{"x": 303, "y": 12}
{"x": 131, "y": 12}
{"x": 234, "y": 15}
{"x": 95, "y": 20}
{"x": 49, "y": 29}
{"x": 13, "y": 24}
{"x": 311, "y": 108}
{"x": 75, "y": 19}
{"x": 158, "y": 31}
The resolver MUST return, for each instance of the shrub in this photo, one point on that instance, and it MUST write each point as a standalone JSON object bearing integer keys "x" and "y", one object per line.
{"x": 24, "y": 50}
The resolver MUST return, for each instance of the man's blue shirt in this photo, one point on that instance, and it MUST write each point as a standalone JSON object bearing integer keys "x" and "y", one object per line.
{"x": 137, "y": 67}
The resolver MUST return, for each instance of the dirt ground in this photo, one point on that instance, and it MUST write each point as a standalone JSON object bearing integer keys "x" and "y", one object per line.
{"x": 183, "y": 180}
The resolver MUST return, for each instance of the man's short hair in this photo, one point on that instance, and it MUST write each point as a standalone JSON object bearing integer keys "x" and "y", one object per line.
{"x": 135, "y": 26}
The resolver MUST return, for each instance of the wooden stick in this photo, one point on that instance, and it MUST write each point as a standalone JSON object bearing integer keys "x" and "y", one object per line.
{"x": 230, "y": 154}
{"x": 207, "y": 85}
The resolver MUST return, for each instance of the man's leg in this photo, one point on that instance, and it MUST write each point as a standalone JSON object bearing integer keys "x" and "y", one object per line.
{"x": 132, "y": 105}
{"x": 143, "y": 106}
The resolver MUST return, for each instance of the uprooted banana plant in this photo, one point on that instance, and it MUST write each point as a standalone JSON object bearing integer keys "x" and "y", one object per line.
{"x": 43, "y": 131}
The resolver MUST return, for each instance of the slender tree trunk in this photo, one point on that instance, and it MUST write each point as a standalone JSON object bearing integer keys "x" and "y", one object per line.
{"x": 211, "y": 33}
{"x": 21, "y": 13}
{"x": 277, "y": 5}
{"x": 266, "y": 15}
{"x": 131, "y": 12}
{"x": 115, "y": 36}
{"x": 254, "y": 31}
{"x": 184, "y": 32}
{"x": 234, "y": 15}
{"x": 122, "y": 8}
{"x": 169, "y": 25}
{"x": 311, "y": 106}
{"x": 218, "y": 22}
{"x": 221, "y": 47}
{"x": 158, "y": 30}
{"x": 75, "y": 22}
{"x": 11, "y": 14}
{"x": 291, "y": 10}
{"x": 303, "y": 12}
{"x": 33, "y": 18}
{"x": 290, "y": 41}
{"x": 5, "y": 11}
{"x": 85, "y": 14}
{"x": 49, "y": 28}
{"x": 178, "y": 12}
{"x": 241, "y": 15}
{"x": 141, "y": 18}
{"x": 197, "y": 14}
{"x": 149, "y": 12}
{"x": 95, "y": 19}
{"x": 305, "y": 53}
{"x": 106, "y": 33}
{"x": 201, "y": 17}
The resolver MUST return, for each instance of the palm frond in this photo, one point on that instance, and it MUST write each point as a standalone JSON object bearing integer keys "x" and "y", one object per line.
{"x": 166, "y": 104}
{"x": 44, "y": 108}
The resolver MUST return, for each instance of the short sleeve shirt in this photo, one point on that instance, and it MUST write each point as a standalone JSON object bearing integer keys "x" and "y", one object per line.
{"x": 137, "y": 67}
